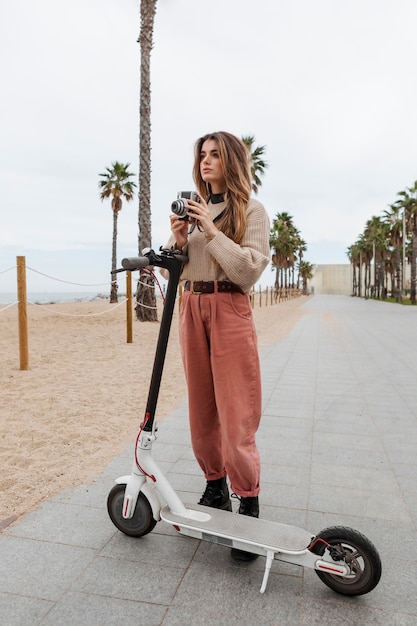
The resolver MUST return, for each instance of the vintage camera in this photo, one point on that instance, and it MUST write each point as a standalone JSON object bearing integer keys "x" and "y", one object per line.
{"x": 179, "y": 206}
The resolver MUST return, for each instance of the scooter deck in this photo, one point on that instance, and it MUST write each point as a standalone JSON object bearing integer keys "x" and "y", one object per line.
{"x": 231, "y": 527}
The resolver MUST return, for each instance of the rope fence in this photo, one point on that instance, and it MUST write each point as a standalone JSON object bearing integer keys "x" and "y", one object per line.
{"x": 67, "y": 282}
{"x": 8, "y": 306}
{"x": 47, "y": 308}
{"x": 268, "y": 296}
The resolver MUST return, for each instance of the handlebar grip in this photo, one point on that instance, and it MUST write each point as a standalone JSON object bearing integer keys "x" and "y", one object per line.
{"x": 135, "y": 263}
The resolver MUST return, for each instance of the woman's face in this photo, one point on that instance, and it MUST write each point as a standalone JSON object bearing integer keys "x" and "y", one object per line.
{"x": 210, "y": 166}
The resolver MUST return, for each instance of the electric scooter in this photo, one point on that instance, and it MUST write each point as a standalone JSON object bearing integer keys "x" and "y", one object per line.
{"x": 343, "y": 558}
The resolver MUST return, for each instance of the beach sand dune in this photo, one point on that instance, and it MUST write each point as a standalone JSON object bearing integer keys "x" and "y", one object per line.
{"x": 81, "y": 402}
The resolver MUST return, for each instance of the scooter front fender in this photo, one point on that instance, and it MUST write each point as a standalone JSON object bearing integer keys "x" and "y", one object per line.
{"x": 134, "y": 485}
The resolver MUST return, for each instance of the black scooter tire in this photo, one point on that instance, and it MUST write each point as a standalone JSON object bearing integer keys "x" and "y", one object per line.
{"x": 360, "y": 555}
{"x": 142, "y": 521}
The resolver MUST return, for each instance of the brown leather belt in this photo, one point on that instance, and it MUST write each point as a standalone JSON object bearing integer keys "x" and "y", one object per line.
{"x": 202, "y": 286}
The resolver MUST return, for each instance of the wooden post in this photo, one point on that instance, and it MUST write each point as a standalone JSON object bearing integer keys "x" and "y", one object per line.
{"x": 260, "y": 297}
{"x": 129, "y": 330}
{"x": 22, "y": 312}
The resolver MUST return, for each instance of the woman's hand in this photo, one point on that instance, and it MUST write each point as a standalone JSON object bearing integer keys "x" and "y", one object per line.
{"x": 179, "y": 229}
{"x": 199, "y": 211}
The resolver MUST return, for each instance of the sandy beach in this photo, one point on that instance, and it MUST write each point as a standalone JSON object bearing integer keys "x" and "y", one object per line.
{"x": 81, "y": 401}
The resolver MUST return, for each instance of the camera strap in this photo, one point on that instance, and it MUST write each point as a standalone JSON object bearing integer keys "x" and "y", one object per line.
{"x": 219, "y": 216}
{"x": 216, "y": 219}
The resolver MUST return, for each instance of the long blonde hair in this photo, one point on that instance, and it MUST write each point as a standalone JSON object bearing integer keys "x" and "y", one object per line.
{"x": 235, "y": 161}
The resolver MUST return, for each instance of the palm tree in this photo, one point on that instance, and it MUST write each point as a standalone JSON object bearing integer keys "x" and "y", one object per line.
{"x": 393, "y": 219}
{"x": 409, "y": 203}
{"x": 302, "y": 247}
{"x": 145, "y": 294}
{"x": 284, "y": 240}
{"x": 376, "y": 237}
{"x": 306, "y": 271}
{"x": 354, "y": 253}
{"x": 258, "y": 165}
{"x": 115, "y": 183}
{"x": 366, "y": 251}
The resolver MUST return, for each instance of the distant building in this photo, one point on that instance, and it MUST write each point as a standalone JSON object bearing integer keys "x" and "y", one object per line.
{"x": 331, "y": 279}
{"x": 338, "y": 280}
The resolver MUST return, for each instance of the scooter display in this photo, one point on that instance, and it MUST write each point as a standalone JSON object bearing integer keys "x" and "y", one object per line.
{"x": 343, "y": 558}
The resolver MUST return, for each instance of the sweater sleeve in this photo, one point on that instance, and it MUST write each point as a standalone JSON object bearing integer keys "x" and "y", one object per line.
{"x": 244, "y": 263}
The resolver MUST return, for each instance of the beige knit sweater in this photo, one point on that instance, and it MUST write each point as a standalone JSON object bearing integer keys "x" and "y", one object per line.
{"x": 241, "y": 263}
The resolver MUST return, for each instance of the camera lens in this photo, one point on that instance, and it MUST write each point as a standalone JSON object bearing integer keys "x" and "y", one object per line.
{"x": 179, "y": 207}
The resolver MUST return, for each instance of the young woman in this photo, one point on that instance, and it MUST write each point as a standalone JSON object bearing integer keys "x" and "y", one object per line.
{"x": 227, "y": 242}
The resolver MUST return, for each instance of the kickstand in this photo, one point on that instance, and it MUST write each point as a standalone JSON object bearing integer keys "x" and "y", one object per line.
{"x": 269, "y": 558}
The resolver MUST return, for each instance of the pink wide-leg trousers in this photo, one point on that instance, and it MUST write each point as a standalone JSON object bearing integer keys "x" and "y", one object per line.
{"x": 221, "y": 363}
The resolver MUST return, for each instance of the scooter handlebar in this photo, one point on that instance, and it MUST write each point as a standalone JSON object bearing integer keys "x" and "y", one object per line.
{"x": 135, "y": 263}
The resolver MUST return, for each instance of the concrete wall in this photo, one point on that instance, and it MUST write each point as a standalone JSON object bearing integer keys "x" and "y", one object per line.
{"x": 331, "y": 279}
{"x": 338, "y": 279}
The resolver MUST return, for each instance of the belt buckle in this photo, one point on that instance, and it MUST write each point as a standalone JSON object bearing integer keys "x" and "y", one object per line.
{"x": 198, "y": 293}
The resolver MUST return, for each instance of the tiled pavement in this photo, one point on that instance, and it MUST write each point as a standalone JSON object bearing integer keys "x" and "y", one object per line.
{"x": 338, "y": 442}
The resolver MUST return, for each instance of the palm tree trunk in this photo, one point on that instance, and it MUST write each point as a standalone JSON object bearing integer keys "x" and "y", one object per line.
{"x": 113, "y": 288}
{"x": 367, "y": 278}
{"x": 145, "y": 294}
{"x": 398, "y": 270}
{"x": 413, "y": 269}
{"x": 354, "y": 280}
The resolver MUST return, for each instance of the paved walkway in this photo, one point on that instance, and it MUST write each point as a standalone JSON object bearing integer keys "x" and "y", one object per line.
{"x": 339, "y": 446}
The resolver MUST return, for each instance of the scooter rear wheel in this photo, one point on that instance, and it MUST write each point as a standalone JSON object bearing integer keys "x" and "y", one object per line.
{"x": 358, "y": 553}
{"x": 142, "y": 521}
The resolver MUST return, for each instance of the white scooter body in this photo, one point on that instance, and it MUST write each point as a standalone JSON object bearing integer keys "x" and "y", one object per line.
{"x": 262, "y": 537}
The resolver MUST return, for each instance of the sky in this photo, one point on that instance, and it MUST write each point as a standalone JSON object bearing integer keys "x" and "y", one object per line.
{"x": 327, "y": 86}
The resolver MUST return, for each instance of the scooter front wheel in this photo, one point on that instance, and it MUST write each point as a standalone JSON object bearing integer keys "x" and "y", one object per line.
{"x": 141, "y": 523}
{"x": 357, "y": 552}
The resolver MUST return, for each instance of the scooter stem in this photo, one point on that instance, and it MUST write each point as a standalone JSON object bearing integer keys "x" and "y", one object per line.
{"x": 173, "y": 262}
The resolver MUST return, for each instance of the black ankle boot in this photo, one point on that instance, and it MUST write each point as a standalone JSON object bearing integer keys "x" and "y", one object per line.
{"x": 216, "y": 495}
{"x": 250, "y": 507}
